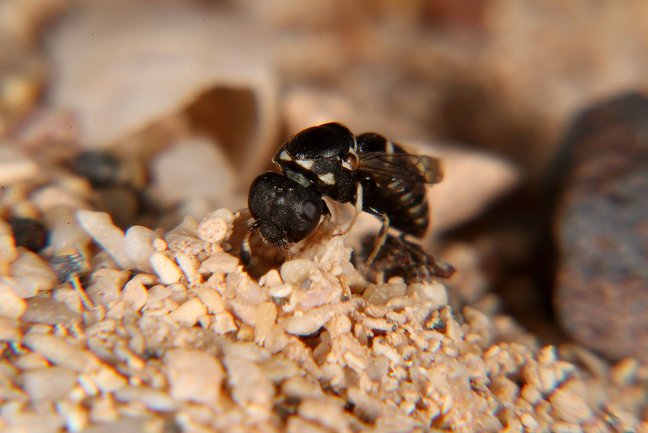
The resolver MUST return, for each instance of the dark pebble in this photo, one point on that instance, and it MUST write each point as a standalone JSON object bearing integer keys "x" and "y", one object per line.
{"x": 28, "y": 233}
{"x": 100, "y": 168}
{"x": 601, "y": 228}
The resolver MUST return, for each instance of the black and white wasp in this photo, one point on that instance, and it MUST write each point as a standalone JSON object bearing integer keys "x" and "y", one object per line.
{"x": 376, "y": 175}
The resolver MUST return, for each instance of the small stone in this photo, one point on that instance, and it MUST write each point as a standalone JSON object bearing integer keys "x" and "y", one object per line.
{"x": 216, "y": 226}
{"x": 12, "y": 306}
{"x": 60, "y": 352}
{"x": 100, "y": 227}
{"x": 49, "y": 384}
{"x": 50, "y": 311}
{"x": 31, "y": 274}
{"x": 189, "y": 312}
{"x": 601, "y": 294}
{"x": 223, "y": 323}
{"x": 194, "y": 375}
{"x": 569, "y": 406}
{"x": 138, "y": 246}
{"x": 379, "y": 294}
{"x": 135, "y": 294}
{"x": 219, "y": 263}
{"x": 165, "y": 268}
{"x": 106, "y": 286}
{"x": 296, "y": 271}
{"x": 99, "y": 167}
{"x": 432, "y": 291}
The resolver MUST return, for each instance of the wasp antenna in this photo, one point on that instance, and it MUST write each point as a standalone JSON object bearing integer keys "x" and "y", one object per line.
{"x": 245, "y": 252}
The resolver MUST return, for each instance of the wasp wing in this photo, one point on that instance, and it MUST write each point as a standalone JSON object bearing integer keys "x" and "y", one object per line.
{"x": 385, "y": 167}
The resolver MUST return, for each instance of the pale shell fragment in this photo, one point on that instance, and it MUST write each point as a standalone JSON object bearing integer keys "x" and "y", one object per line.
{"x": 31, "y": 274}
{"x": 100, "y": 227}
{"x": 189, "y": 312}
{"x": 138, "y": 246}
{"x": 216, "y": 226}
{"x": 165, "y": 268}
{"x": 219, "y": 263}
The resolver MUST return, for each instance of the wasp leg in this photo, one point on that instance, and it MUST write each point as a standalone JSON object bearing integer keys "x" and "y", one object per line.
{"x": 358, "y": 210}
{"x": 76, "y": 284}
{"x": 380, "y": 240}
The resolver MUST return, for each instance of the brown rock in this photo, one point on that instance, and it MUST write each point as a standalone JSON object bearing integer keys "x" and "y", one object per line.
{"x": 602, "y": 231}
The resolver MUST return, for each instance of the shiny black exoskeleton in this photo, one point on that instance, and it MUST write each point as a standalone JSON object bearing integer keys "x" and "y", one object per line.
{"x": 378, "y": 176}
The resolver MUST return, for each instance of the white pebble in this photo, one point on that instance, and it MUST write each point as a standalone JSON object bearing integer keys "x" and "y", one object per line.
{"x": 50, "y": 310}
{"x": 296, "y": 271}
{"x": 281, "y": 291}
{"x": 194, "y": 375}
{"x": 211, "y": 299}
{"x": 219, "y": 263}
{"x": 100, "y": 227}
{"x": 165, "y": 268}
{"x": 105, "y": 286}
{"x": 12, "y": 306}
{"x": 135, "y": 294}
{"x": 216, "y": 226}
{"x": 65, "y": 231}
{"x": 31, "y": 274}
{"x": 138, "y": 246}
{"x": 189, "y": 312}
{"x": 108, "y": 379}
{"x": 48, "y": 384}
{"x": 432, "y": 291}
{"x": 223, "y": 323}
{"x": 188, "y": 265}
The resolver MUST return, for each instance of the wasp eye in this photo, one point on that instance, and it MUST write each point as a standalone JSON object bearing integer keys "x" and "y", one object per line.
{"x": 351, "y": 159}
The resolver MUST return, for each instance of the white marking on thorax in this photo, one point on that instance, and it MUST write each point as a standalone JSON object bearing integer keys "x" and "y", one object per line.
{"x": 328, "y": 178}
{"x": 306, "y": 163}
{"x": 284, "y": 156}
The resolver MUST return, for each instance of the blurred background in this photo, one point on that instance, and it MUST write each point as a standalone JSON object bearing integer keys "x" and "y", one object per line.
{"x": 172, "y": 108}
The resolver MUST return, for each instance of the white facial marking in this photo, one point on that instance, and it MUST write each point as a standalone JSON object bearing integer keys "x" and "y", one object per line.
{"x": 389, "y": 147}
{"x": 284, "y": 156}
{"x": 328, "y": 178}
{"x": 306, "y": 163}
